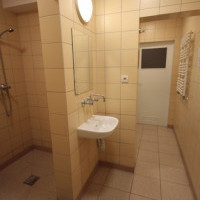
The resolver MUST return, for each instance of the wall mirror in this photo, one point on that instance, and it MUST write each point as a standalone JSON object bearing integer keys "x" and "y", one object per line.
{"x": 83, "y": 61}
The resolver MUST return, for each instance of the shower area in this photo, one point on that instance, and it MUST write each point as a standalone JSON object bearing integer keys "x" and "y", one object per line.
{"x": 25, "y": 142}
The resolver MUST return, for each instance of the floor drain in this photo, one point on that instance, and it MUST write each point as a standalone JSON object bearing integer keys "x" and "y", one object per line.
{"x": 31, "y": 180}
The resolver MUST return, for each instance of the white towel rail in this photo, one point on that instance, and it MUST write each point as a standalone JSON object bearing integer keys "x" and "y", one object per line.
{"x": 184, "y": 63}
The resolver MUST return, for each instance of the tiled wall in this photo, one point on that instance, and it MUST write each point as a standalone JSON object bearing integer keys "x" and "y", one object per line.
{"x": 117, "y": 24}
{"x": 161, "y": 30}
{"x": 187, "y": 113}
{"x": 160, "y": 7}
{"x": 30, "y": 41}
{"x": 15, "y": 135}
{"x": 74, "y": 158}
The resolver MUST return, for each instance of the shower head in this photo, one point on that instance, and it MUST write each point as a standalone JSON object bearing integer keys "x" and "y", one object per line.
{"x": 10, "y": 30}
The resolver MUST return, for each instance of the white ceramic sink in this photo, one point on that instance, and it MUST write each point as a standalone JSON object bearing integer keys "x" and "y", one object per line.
{"x": 98, "y": 127}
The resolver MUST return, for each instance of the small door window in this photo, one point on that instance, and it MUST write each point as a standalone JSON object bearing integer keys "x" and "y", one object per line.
{"x": 154, "y": 58}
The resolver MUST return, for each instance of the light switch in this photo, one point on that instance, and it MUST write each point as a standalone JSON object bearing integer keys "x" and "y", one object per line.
{"x": 124, "y": 78}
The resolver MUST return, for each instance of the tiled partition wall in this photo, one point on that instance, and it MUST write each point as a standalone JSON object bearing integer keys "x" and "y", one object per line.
{"x": 30, "y": 41}
{"x": 15, "y": 135}
{"x": 163, "y": 30}
{"x": 160, "y": 7}
{"x": 74, "y": 159}
{"x": 117, "y": 24}
{"x": 187, "y": 115}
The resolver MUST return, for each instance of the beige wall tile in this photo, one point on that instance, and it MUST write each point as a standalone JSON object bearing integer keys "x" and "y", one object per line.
{"x": 50, "y": 29}
{"x": 112, "y": 75}
{"x": 129, "y": 57}
{"x": 112, "y": 106}
{"x": 128, "y": 107}
{"x": 128, "y": 136}
{"x": 127, "y": 150}
{"x": 170, "y": 9}
{"x": 61, "y": 163}
{"x": 66, "y": 8}
{"x": 128, "y": 91}
{"x": 149, "y": 12}
{"x": 144, "y": 4}
{"x": 112, "y": 91}
{"x": 60, "y": 144}
{"x": 52, "y": 55}
{"x": 100, "y": 41}
{"x": 130, "y": 20}
{"x": 112, "y": 41}
{"x": 112, "y": 6}
{"x": 128, "y": 5}
{"x": 59, "y": 124}
{"x": 100, "y": 24}
{"x": 57, "y": 102}
{"x": 129, "y": 40}
{"x": 52, "y": 8}
{"x": 112, "y": 58}
{"x": 128, "y": 122}
{"x": 169, "y": 2}
{"x": 190, "y": 6}
{"x": 100, "y": 7}
{"x": 113, "y": 22}
{"x": 55, "y": 80}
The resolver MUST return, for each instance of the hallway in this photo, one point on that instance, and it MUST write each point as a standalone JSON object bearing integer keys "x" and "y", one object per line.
{"x": 159, "y": 172}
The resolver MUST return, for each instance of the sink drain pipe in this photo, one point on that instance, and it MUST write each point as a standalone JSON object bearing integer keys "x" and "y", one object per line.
{"x": 101, "y": 144}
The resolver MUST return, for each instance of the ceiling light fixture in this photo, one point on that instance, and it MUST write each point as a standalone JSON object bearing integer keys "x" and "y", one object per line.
{"x": 85, "y": 10}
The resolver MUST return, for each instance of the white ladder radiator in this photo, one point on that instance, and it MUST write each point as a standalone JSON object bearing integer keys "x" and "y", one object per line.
{"x": 184, "y": 63}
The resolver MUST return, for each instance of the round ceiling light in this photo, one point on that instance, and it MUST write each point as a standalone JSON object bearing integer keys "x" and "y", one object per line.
{"x": 85, "y": 9}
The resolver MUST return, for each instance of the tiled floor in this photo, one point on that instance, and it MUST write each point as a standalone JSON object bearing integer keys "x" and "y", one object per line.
{"x": 11, "y": 178}
{"x": 159, "y": 172}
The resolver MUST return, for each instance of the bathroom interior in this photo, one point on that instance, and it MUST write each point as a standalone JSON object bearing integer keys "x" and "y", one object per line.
{"x": 99, "y": 99}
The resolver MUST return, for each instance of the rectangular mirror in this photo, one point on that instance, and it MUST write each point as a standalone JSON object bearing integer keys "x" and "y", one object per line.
{"x": 83, "y": 61}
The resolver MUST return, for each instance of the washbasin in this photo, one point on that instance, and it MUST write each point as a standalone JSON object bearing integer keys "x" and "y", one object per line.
{"x": 98, "y": 127}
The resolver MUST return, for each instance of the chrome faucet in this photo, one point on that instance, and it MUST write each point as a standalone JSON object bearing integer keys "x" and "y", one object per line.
{"x": 87, "y": 101}
{"x": 97, "y": 97}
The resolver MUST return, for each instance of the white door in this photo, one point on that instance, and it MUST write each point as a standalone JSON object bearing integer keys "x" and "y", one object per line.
{"x": 154, "y": 84}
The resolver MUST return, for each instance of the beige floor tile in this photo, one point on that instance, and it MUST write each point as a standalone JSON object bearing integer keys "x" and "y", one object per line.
{"x": 150, "y": 132}
{"x": 46, "y": 183}
{"x": 119, "y": 179}
{"x": 92, "y": 192}
{"x": 41, "y": 195}
{"x": 35, "y": 162}
{"x": 165, "y": 132}
{"x": 150, "y": 127}
{"x": 112, "y": 194}
{"x": 165, "y": 148}
{"x": 148, "y": 156}
{"x": 146, "y": 186}
{"x": 171, "y": 160}
{"x": 136, "y": 197}
{"x": 150, "y": 146}
{"x": 100, "y": 175}
{"x": 175, "y": 175}
{"x": 168, "y": 141}
{"x": 150, "y": 138}
{"x": 147, "y": 169}
{"x": 171, "y": 191}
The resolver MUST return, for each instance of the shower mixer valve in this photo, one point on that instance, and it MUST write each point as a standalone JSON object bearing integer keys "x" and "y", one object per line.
{"x": 5, "y": 86}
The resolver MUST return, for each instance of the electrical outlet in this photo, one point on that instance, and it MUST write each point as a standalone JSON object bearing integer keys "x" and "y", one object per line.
{"x": 124, "y": 78}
